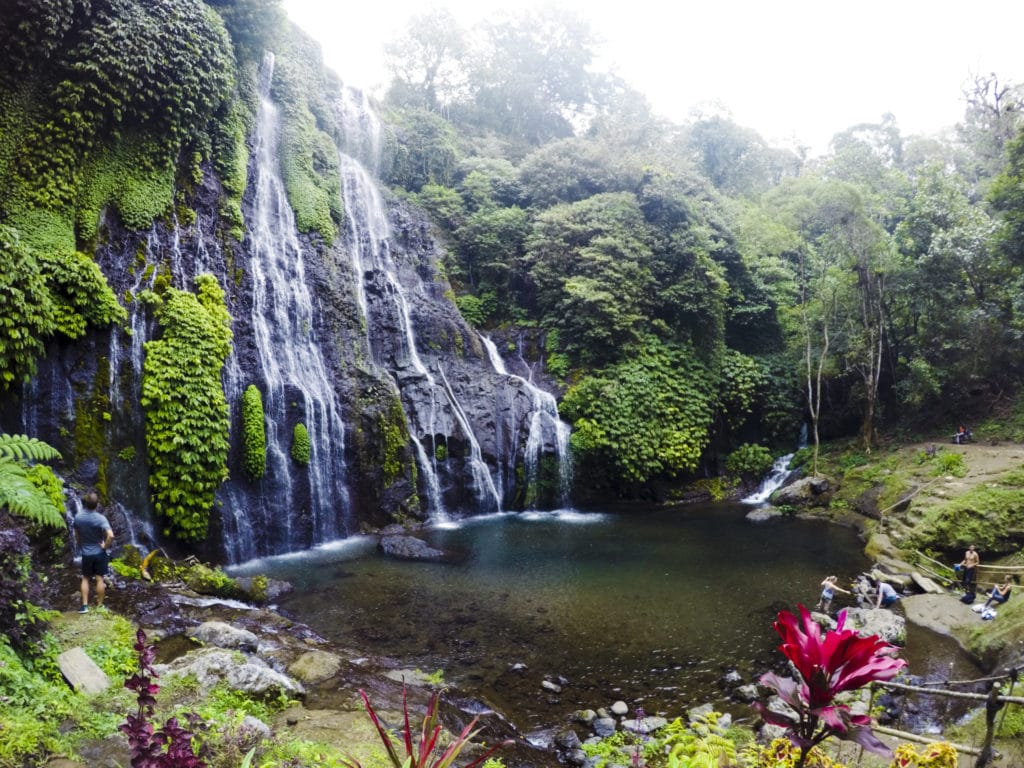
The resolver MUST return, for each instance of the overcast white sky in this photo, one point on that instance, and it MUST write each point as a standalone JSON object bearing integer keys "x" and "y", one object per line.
{"x": 797, "y": 71}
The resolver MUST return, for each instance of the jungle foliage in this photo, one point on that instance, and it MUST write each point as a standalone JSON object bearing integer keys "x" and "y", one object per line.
{"x": 872, "y": 287}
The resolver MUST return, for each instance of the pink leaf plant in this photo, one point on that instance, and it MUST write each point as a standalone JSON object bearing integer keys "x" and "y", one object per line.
{"x": 827, "y": 664}
{"x": 423, "y": 750}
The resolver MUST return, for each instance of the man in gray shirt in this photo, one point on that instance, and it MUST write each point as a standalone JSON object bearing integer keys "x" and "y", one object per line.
{"x": 94, "y": 536}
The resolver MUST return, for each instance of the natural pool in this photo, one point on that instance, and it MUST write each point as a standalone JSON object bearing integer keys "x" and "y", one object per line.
{"x": 650, "y": 605}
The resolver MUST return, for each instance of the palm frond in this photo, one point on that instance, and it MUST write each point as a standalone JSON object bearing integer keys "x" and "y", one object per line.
{"x": 25, "y": 448}
{"x": 23, "y": 499}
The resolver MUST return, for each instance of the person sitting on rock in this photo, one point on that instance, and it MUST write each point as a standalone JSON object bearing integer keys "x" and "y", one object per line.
{"x": 999, "y": 594}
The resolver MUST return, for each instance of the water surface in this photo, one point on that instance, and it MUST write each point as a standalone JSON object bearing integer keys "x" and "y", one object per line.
{"x": 652, "y": 606}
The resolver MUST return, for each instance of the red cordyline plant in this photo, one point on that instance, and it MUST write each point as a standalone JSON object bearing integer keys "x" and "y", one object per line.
{"x": 422, "y": 753}
{"x": 169, "y": 747}
{"x": 840, "y": 660}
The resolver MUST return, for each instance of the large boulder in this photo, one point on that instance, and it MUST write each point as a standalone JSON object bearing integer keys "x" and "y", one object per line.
{"x": 411, "y": 548}
{"x": 889, "y": 626}
{"x": 222, "y": 635}
{"x": 249, "y": 675}
{"x": 315, "y": 666}
{"x": 805, "y": 492}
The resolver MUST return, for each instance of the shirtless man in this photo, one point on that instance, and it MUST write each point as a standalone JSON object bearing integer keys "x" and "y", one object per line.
{"x": 969, "y": 569}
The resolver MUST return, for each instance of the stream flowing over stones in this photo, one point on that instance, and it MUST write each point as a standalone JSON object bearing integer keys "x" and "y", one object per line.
{"x": 410, "y": 412}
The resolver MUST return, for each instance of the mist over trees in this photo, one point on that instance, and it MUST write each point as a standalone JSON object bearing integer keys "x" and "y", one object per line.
{"x": 699, "y": 289}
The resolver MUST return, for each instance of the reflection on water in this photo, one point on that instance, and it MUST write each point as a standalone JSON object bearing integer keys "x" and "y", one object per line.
{"x": 651, "y": 606}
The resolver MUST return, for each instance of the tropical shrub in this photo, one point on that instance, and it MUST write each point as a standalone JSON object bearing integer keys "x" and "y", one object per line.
{"x": 300, "y": 444}
{"x": 643, "y": 418}
{"x": 186, "y": 413}
{"x": 254, "y": 435}
{"x": 19, "y": 588}
{"x": 826, "y": 666}
{"x": 750, "y": 460}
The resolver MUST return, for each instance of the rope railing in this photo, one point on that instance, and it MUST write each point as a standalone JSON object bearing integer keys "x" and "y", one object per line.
{"x": 994, "y": 701}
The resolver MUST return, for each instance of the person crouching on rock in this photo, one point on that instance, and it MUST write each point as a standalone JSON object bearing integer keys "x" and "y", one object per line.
{"x": 886, "y": 595}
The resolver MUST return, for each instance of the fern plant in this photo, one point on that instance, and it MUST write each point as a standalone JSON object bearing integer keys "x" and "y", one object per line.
{"x": 702, "y": 745}
{"x": 17, "y": 491}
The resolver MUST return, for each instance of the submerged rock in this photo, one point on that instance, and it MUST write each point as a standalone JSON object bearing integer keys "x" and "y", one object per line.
{"x": 411, "y": 548}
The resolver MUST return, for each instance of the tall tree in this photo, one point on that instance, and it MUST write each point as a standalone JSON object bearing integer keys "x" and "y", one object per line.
{"x": 428, "y": 62}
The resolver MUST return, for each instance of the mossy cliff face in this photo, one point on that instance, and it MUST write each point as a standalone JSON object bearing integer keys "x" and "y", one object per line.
{"x": 130, "y": 251}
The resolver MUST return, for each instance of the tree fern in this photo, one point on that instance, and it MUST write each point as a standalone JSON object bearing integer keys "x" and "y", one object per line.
{"x": 24, "y": 448}
{"x": 23, "y": 498}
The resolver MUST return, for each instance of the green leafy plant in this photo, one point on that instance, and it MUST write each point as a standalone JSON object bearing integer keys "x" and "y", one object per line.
{"x": 703, "y": 744}
{"x": 948, "y": 463}
{"x": 426, "y": 751}
{"x": 300, "y": 444}
{"x": 186, "y": 413}
{"x": 750, "y": 460}
{"x": 18, "y": 492}
{"x": 254, "y": 435}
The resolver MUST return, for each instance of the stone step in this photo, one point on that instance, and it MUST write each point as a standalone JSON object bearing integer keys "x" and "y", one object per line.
{"x": 81, "y": 672}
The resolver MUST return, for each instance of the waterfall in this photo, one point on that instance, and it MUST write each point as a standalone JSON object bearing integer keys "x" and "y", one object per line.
{"x": 544, "y": 421}
{"x": 774, "y": 480}
{"x": 296, "y": 506}
{"x": 369, "y": 238}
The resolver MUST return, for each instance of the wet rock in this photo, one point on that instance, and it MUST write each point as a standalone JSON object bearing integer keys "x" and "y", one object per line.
{"x": 585, "y": 716}
{"x": 315, "y": 666}
{"x": 926, "y": 585}
{"x": 807, "y": 491}
{"x": 567, "y": 740}
{"x": 411, "y": 548}
{"x": 644, "y": 724}
{"x": 549, "y": 685}
{"x": 746, "y": 693}
{"x": 604, "y": 726}
{"x": 222, "y": 635}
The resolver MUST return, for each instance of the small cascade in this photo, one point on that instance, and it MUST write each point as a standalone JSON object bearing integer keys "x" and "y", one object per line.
{"x": 126, "y": 345}
{"x": 487, "y": 496}
{"x": 297, "y": 506}
{"x": 361, "y": 128}
{"x": 430, "y": 478}
{"x": 775, "y": 479}
{"x": 544, "y": 422}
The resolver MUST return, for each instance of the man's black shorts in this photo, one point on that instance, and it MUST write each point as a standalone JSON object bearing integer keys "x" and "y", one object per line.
{"x": 94, "y": 565}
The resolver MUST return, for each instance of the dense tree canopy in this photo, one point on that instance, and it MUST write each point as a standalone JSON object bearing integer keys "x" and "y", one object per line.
{"x": 871, "y": 285}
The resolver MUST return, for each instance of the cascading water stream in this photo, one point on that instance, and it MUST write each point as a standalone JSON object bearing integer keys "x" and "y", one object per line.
{"x": 292, "y": 374}
{"x": 371, "y": 259}
{"x": 775, "y": 479}
{"x": 544, "y": 419}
